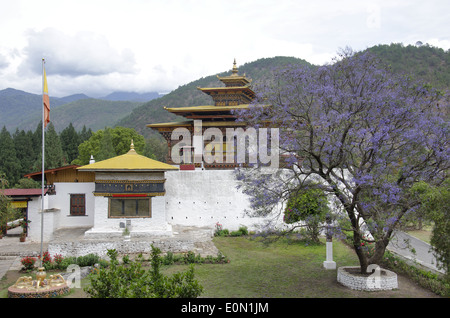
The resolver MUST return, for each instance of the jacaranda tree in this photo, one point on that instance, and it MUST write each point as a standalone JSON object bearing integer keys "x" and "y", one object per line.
{"x": 362, "y": 134}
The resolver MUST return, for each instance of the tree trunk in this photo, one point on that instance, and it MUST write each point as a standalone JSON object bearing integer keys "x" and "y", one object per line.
{"x": 362, "y": 257}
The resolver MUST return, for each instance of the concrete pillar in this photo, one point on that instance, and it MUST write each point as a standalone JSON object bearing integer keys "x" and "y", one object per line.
{"x": 329, "y": 263}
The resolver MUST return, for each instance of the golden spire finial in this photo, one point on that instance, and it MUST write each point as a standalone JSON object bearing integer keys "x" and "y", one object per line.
{"x": 132, "y": 147}
{"x": 235, "y": 70}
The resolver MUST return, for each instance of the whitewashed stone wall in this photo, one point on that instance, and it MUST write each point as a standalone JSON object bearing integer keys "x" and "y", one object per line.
{"x": 200, "y": 198}
{"x": 381, "y": 279}
{"x": 206, "y": 197}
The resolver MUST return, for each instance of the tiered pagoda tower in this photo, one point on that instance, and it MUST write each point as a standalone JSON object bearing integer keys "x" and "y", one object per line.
{"x": 236, "y": 94}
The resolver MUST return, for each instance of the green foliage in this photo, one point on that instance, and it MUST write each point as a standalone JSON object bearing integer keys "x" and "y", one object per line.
{"x": 26, "y": 183}
{"x": 310, "y": 206}
{"x": 435, "y": 206}
{"x": 132, "y": 281}
{"x": 425, "y": 62}
{"x": 69, "y": 142}
{"x": 191, "y": 258}
{"x": 109, "y": 142}
{"x": 434, "y": 282}
{"x": 9, "y": 164}
{"x": 6, "y": 211}
{"x": 220, "y": 231}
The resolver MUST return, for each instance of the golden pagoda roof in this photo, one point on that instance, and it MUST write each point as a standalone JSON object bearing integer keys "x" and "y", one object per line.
{"x": 206, "y": 108}
{"x": 191, "y": 123}
{"x": 131, "y": 161}
{"x": 234, "y": 77}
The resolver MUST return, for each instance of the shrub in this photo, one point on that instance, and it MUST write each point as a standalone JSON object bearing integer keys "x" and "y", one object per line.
{"x": 131, "y": 281}
{"x": 310, "y": 206}
{"x": 28, "y": 263}
{"x": 434, "y": 282}
{"x": 220, "y": 231}
{"x": 87, "y": 260}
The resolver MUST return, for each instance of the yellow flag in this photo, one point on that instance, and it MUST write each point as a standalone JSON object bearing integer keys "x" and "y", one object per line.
{"x": 46, "y": 101}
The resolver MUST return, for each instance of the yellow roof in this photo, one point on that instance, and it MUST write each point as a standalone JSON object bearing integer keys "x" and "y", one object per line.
{"x": 191, "y": 123}
{"x": 131, "y": 161}
{"x": 173, "y": 124}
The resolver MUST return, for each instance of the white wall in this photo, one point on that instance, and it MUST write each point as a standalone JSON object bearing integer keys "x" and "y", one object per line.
{"x": 34, "y": 216}
{"x": 207, "y": 197}
{"x": 57, "y": 210}
{"x": 61, "y": 201}
{"x": 105, "y": 226}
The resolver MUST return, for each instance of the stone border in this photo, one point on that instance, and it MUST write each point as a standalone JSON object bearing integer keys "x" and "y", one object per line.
{"x": 381, "y": 279}
{"x": 45, "y": 293}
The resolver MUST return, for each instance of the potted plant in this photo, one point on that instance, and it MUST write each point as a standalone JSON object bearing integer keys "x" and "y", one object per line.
{"x": 24, "y": 224}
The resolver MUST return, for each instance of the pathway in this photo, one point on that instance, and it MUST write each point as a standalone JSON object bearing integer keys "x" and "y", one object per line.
{"x": 402, "y": 244}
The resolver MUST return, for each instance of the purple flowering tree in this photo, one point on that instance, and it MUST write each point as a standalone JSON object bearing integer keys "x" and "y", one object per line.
{"x": 358, "y": 132}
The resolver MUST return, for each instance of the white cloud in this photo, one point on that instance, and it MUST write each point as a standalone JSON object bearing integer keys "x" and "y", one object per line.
{"x": 145, "y": 45}
{"x": 84, "y": 53}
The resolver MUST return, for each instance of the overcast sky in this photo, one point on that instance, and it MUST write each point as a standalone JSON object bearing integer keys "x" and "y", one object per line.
{"x": 100, "y": 46}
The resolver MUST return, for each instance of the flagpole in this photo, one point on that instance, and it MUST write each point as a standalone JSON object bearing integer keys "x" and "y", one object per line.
{"x": 43, "y": 155}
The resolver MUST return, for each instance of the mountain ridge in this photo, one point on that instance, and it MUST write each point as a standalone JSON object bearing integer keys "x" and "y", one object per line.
{"x": 425, "y": 62}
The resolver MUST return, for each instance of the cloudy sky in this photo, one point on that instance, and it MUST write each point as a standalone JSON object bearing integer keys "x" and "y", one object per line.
{"x": 100, "y": 46}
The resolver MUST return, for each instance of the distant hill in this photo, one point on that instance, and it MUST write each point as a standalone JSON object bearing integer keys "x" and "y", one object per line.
{"x": 92, "y": 113}
{"x": 23, "y": 110}
{"x": 131, "y": 96}
{"x": 425, "y": 62}
{"x": 19, "y": 109}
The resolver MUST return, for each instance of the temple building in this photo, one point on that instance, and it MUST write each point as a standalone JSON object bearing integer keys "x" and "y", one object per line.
{"x": 147, "y": 198}
{"x": 235, "y": 95}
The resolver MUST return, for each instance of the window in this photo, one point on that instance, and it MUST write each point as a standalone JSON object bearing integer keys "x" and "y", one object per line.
{"x": 129, "y": 207}
{"x": 77, "y": 204}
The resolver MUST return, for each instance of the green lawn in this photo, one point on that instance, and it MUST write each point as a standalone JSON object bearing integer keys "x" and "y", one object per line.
{"x": 276, "y": 270}
{"x": 282, "y": 270}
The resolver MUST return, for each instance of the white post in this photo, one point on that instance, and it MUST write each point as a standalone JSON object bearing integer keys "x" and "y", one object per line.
{"x": 44, "y": 83}
{"x": 329, "y": 263}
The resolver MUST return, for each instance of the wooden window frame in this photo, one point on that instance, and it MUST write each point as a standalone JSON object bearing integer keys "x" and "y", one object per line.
{"x": 129, "y": 215}
{"x": 77, "y": 205}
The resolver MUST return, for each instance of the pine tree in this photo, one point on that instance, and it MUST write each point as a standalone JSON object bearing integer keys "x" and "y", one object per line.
{"x": 24, "y": 151}
{"x": 9, "y": 164}
{"x": 69, "y": 143}
{"x": 54, "y": 157}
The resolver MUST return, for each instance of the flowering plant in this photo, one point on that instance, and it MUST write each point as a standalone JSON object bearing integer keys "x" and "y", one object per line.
{"x": 28, "y": 263}
{"x": 25, "y": 223}
{"x": 365, "y": 134}
{"x": 46, "y": 260}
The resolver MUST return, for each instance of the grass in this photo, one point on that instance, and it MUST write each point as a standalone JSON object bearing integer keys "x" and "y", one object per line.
{"x": 281, "y": 269}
